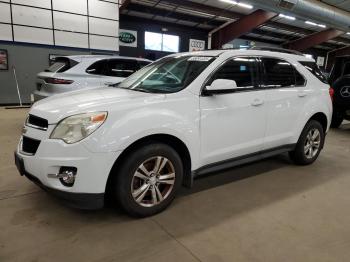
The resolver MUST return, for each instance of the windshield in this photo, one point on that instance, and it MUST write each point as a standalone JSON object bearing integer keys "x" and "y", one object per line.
{"x": 168, "y": 75}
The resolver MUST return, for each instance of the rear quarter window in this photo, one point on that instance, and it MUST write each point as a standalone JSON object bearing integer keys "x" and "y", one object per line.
{"x": 315, "y": 70}
{"x": 61, "y": 65}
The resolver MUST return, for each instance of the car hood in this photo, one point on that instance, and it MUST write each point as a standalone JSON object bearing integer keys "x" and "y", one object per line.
{"x": 58, "y": 107}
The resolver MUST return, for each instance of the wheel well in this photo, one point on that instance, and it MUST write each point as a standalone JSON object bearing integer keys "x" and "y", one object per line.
{"x": 322, "y": 119}
{"x": 170, "y": 140}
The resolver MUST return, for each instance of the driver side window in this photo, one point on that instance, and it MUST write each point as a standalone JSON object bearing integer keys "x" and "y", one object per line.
{"x": 243, "y": 70}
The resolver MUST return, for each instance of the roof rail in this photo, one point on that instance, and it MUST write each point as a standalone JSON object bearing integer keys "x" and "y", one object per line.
{"x": 276, "y": 49}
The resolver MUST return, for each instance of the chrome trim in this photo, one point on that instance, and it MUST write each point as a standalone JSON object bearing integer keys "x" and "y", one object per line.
{"x": 36, "y": 127}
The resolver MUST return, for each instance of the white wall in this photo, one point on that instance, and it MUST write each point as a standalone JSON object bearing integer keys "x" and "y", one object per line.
{"x": 91, "y": 24}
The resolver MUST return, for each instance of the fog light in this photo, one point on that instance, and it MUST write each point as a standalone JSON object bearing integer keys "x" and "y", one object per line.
{"x": 66, "y": 176}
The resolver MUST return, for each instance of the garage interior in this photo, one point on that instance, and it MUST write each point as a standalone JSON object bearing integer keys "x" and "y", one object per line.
{"x": 270, "y": 210}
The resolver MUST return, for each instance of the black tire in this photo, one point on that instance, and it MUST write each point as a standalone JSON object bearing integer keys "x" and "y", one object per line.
{"x": 298, "y": 155}
{"x": 337, "y": 118}
{"x": 125, "y": 179}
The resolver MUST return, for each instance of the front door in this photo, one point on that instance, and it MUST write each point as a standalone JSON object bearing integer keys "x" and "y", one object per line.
{"x": 233, "y": 124}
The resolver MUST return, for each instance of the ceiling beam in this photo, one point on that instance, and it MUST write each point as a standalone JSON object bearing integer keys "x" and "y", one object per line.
{"x": 314, "y": 39}
{"x": 124, "y": 5}
{"x": 242, "y": 26}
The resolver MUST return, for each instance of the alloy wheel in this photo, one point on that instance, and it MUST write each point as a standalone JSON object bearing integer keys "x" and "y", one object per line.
{"x": 153, "y": 181}
{"x": 312, "y": 143}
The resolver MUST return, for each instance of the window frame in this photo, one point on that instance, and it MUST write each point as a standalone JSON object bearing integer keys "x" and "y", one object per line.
{"x": 262, "y": 71}
{"x": 257, "y": 81}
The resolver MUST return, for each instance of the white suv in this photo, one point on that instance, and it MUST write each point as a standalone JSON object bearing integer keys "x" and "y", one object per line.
{"x": 181, "y": 117}
{"x": 72, "y": 73}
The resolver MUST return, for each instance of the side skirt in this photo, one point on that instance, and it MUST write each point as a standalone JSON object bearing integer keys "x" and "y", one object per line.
{"x": 222, "y": 165}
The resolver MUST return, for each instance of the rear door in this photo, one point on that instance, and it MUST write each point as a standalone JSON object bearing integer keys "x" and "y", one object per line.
{"x": 286, "y": 92}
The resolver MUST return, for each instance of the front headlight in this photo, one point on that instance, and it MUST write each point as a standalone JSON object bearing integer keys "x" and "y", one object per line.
{"x": 75, "y": 128}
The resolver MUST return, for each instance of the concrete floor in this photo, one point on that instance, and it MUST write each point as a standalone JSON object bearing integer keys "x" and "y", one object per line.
{"x": 267, "y": 211}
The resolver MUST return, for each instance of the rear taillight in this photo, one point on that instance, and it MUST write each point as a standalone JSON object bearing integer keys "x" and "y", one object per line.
{"x": 331, "y": 93}
{"x": 58, "y": 81}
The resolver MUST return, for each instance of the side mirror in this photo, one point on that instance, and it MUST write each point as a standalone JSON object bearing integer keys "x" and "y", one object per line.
{"x": 220, "y": 86}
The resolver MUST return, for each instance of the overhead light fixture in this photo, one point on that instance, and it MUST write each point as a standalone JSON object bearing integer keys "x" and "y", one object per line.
{"x": 232, "y": 2}
{"x": 348, "y": 33}
{"x": 310, "y": 23}
{"x": 287, "y": 17}
{"x": 315, "y": 24}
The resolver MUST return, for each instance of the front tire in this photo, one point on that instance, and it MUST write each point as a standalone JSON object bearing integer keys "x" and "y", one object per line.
{"x": 309, "y": 145}
{"x": 148, "y": 179}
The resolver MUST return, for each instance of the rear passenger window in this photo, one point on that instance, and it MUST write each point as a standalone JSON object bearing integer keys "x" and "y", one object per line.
{"x": 315, "y": 70}
{"x": 242, "y": 70}
{"x": 122, "y": 67}
{"x": 98, "y": 68}
{"x": 278, "y": 73}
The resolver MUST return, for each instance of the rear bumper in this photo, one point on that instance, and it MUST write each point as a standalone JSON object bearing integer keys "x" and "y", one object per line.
{"x": 86, "y": 201}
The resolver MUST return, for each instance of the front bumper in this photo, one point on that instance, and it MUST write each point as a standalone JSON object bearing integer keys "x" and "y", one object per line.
{"x": 77, "y": 200}
{"x": 93, "y": 168}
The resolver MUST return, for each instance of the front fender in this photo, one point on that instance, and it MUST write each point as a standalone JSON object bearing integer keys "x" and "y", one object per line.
{"x": 180, "y": 121}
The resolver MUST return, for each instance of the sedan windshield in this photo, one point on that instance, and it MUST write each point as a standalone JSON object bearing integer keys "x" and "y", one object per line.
{"x": 168, "y": 75}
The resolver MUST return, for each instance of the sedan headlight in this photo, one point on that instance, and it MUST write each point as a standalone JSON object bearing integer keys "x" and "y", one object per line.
{"x": 75, "y": 128}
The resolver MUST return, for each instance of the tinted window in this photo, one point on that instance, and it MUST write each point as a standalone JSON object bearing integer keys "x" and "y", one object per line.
{"x": 346, "y": 70}
{"x": 122, "y": 67}
{"x": 98, "y": 68}
{"x": 61, "y": 65}
{"x": 143, "y": 63}
{"x": 278, "y": 73}
{"x": 242, "y": 70}
{"x": 299, "y": 79}
{"x": 315, "y": 70}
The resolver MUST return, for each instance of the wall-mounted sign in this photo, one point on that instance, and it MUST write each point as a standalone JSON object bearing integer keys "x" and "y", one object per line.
{"x": 127, "y": 38}
{"x": 196, "y": 45}
{"x": 4, "y": 64}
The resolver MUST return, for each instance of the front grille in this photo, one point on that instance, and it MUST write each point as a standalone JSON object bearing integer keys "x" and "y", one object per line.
{"x": 37, "y": 122}
{"x": 30, "y": 145}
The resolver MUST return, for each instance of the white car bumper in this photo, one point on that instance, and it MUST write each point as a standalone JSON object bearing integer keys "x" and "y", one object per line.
{"x": 92, "y": 173}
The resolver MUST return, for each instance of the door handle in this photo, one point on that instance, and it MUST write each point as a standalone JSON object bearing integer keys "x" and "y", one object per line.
{"x": 257, "y": 102}
{"x": 302, "y": 94}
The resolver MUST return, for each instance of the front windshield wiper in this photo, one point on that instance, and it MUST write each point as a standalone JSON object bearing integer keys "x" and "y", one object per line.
{"x": 114, "y": 85}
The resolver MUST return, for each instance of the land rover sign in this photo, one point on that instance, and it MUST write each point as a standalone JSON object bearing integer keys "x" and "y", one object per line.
{"x": 127, "y": 38}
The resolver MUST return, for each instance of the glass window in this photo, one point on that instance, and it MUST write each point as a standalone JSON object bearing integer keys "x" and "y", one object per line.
{"x": 299, "y": 79}
{"x": 98, "y": 68}
{"x": 122, "y": 67}
{"x": 315, "y": 70}
{"x": 278, "y": 73}
{"x": 167, "y": 75}
{"x": 242, "y": 70}
{"x": 153, "y": 41}
{"x": 62, "y": 64}
{"x": 162, "y": 42}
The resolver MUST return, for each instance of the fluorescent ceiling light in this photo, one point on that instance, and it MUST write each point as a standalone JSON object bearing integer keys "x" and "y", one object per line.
{"x": 314, "y": 24}
{"x": 287, "y": 17}
{"x": 310, "y": 23}
{"x": 348, "y": 33}
{"x": 232, "y": 2}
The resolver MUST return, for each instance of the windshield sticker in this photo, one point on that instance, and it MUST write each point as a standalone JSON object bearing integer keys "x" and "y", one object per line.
{"x": 200, "y": 58}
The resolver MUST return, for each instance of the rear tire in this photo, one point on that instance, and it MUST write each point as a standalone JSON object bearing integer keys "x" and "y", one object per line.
{"x": 148, "y": 179}
{"x": 309, "y": 145}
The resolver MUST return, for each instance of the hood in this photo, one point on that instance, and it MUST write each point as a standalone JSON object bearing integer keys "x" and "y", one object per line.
{"x": 58, "y": 107}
